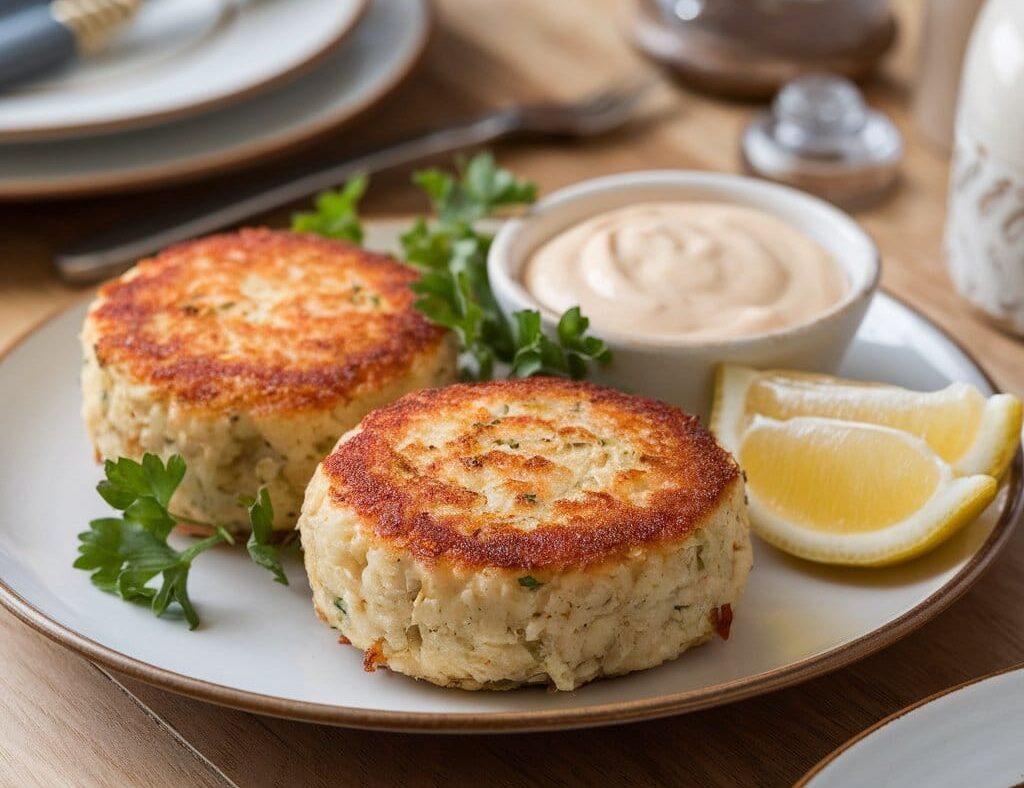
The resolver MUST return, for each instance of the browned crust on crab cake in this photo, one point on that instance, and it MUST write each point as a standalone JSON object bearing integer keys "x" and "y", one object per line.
{"x": 261, "y": 320}
{"x": 538, "y": 473}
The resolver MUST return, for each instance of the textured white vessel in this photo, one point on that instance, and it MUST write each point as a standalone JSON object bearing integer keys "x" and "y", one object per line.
{"x": 985, "y": 228}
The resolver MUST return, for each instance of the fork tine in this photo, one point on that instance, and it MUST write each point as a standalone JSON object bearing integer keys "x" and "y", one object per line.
{"x": 590, "y": 115}
{"x": 622, "y": 98}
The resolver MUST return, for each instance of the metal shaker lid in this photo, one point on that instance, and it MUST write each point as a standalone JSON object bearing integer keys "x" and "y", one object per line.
{"x": 821, "y": 137}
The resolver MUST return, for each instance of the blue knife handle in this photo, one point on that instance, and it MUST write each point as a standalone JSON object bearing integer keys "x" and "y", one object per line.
{"x": 32, "y": 42}
{"x": 10, "y": 6}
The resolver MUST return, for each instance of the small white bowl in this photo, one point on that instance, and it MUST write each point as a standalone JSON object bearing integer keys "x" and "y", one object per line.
{"x": 681, "y": 371}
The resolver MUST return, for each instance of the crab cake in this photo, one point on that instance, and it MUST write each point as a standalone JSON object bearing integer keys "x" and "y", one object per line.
{"x": 532, "y": 531}
{"x": 249, "y": 354}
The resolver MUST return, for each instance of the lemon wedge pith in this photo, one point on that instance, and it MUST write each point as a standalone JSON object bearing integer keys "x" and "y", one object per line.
{"x": 974, "y": 434}
{"x": 848, "y": 493}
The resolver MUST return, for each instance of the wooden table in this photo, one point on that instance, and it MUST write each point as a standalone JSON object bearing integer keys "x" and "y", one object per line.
{"x": 63, "y": 721}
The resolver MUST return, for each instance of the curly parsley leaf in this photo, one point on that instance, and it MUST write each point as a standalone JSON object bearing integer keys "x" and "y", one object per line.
{"x": 336, "y": 214}
{"x": 124, "y": 554}
{"x": 262, "y": 552}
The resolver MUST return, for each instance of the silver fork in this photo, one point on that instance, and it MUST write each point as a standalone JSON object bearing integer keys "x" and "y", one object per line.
{"x": 100, "y": 256}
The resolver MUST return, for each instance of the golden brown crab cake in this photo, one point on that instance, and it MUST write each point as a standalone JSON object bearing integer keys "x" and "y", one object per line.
{"x": 531, "y": 531}
{"x": 250, "y": 353}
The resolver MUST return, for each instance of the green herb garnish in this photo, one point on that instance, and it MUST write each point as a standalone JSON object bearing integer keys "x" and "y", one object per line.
{"x": 261, "y": 551}
{"x": 125, "y": 553}
{"x": 340, "y": 604}
{"x": 480, "y": 189}
{"x": 570, "y": 354}
{"x": 336, "y": 214}
{"x": 527, "y": 581}
{"x": 454, "y": 290}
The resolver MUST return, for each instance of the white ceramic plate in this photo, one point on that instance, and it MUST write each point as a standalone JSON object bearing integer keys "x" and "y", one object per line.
{"x": 971, "y": 735}
{"x": 179, "y": 57}
{"x": 261, "y": 647}
{"x": 382, "y": 50}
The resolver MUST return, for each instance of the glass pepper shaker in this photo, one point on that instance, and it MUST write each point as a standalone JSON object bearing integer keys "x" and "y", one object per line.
{"x": 821, "y": 137}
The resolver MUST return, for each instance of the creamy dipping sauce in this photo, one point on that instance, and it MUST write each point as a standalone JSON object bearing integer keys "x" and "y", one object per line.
{"x": 700, "y": 270}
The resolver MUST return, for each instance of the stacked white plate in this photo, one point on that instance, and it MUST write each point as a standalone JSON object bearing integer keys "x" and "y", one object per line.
{"x": 197, "y": 86}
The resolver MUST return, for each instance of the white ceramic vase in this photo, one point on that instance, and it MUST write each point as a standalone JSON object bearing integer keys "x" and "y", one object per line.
{"x": 947, "y": 29}
{"x": 985, "y": 226}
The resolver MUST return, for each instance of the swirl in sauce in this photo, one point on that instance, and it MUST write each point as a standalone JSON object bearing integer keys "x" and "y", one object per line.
{"x": 699, "y": 270}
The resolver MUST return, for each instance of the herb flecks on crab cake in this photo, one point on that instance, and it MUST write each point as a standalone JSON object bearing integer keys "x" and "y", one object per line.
{"x": 249, "y": 354}
{"x": 489, "y": 535}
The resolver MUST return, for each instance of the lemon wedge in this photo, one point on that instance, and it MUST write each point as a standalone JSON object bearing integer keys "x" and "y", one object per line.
{"x": 972, "y": 433}
{"x": 840, "y": 492}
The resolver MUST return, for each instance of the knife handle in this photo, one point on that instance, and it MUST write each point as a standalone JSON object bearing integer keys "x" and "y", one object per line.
{"x": 32, "y": 42}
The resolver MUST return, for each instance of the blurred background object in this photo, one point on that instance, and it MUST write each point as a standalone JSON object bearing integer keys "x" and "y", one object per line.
{"x": 36, "y": 38}
{"x": 176, "y": 58}
{"x": 750, "y": 48}
{"x": 107, "y": 254}
{"x": 985, "y": 225}
{"x": 358, "y": 59}
{"x": 947, "y": 29}
{"x": 820, "y": 136}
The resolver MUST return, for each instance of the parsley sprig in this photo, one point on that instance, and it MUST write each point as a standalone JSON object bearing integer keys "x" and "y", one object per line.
{"x": 261, "y": 518}
{"x": 336, "y": 213}
{"x": 479, "y": 190}
{"x": 454, "y": 290}
{"x": 537, "y": 353}
{"x": 125, "y": 553}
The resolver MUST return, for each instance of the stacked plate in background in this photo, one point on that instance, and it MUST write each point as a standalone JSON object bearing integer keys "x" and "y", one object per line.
{"x": 195, "y": 87}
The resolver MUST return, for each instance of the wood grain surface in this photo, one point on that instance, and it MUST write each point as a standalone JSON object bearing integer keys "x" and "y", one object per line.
{"x": 62, "y": 722}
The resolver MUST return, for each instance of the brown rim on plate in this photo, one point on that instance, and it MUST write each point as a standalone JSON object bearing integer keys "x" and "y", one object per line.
{"x": 824, "y": 762}
{"x": 583, "y": 717}
{"x": 44, "y": 133}
{"x": 247, "y": 155}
